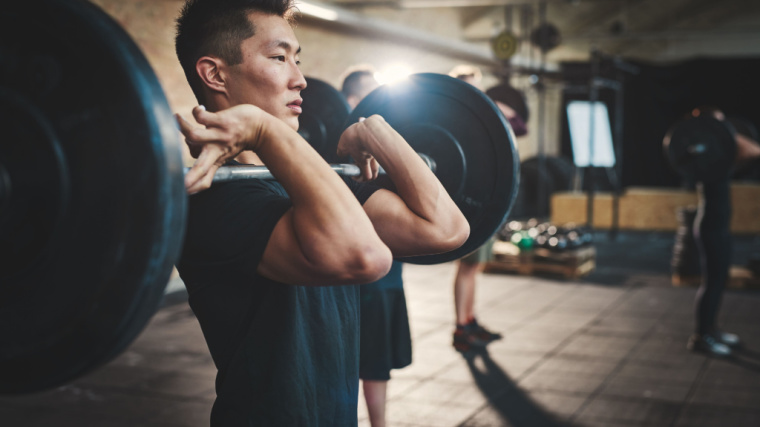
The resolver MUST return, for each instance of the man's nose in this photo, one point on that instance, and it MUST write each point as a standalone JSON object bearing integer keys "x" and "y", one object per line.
{"x": 299, "y": 81}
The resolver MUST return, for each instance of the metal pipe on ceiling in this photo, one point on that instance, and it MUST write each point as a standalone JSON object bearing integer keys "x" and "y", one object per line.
{"x": 701, "y": 35}
{"x": 415, "y": 4}
{"x": 341, "y": 19}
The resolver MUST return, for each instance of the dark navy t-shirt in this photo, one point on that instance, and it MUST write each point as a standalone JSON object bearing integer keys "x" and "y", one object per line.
{"x": 286, "y": 355}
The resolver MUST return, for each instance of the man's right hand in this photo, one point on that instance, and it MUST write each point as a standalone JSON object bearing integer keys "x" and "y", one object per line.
{"x": 225, "y": 134}
{"x": 352, "y": 143}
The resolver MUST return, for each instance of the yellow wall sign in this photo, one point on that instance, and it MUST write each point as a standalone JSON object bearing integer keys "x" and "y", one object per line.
{"x": 504, "y": 45}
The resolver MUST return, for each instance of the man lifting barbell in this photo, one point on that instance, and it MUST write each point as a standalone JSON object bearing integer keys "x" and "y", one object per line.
{"x": 261, "y": 259}
{"x": 131, "y": 222}
{"x": 704, "y": 148}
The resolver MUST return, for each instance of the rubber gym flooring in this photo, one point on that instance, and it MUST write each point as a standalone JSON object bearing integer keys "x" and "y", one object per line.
{"x": 604, "y": 350}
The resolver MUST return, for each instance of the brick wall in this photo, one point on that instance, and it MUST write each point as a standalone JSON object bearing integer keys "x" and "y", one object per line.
{"x": 326, "y": 54}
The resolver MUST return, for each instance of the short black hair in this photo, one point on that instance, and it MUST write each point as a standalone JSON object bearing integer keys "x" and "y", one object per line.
{"x": 464, "y": 71}
{"x": 352, "y": 83}
{"x": 217, "y": 28}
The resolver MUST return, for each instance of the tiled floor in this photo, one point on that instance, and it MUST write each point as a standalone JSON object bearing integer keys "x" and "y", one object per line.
{"x": 608, "y": 350}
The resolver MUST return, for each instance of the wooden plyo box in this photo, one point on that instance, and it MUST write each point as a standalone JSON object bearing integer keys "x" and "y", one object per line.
{"x": 653, "y": 209}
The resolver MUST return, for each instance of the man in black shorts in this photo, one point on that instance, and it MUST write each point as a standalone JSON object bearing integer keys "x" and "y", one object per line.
{"x": 262, "y": 259}
{"x": 385, "y": 337}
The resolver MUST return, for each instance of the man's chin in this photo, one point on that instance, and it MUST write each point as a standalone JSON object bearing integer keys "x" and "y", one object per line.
{"x": 293, "y": 123}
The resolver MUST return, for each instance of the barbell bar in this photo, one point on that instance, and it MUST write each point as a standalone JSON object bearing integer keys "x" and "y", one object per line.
{"x": 94, "y": 208}
{"x": 232, "y": 173}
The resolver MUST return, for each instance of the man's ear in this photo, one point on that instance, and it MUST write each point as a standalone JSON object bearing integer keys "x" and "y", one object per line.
{"x": 209, "y": 69}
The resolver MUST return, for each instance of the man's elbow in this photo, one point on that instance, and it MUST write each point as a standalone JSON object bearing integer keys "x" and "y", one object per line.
{"x": 449, "y": 238}
{"x": 457, "y": 236}
{"x": 365, "y": 265}
{"x": 375, "y": 266}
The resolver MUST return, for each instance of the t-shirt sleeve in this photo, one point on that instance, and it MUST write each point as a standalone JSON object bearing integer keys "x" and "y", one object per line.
{"x": 229, "y": 227}
{"x": 362, "y": 190}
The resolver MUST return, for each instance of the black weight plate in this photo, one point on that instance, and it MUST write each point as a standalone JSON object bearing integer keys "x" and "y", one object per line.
{"x": 324, "y": 112}
{"x": 546, "y": 37}
{"x": 701, "y": 148}
{"x": 36, "y": 196}
{"x": 94, "y": 142}
{"x": 462, "y": 130}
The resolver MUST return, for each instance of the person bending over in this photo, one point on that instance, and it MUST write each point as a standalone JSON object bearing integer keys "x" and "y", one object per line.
{"x": 269, "y": 265}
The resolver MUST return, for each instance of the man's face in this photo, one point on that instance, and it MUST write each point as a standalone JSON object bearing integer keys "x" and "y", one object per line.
{"x": 269, "y": 77}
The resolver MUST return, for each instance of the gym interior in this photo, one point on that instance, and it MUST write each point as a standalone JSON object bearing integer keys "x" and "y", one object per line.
{"x": 634, "y": 184}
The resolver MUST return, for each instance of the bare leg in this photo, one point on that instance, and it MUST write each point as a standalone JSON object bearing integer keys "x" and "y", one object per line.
{"x": 374, "y": 394}
{"x": 464, "y": 291}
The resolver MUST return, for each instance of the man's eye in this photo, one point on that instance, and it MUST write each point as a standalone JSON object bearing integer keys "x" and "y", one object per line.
{"x": 298, "y": 62}
{"x": 280, "y": 58}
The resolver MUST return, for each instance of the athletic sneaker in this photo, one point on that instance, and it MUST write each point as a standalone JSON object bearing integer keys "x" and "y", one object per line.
{"x": 708, "y": 344}
{"x": 473, "y": 335}
{"x": 463, "y": 341}
{"x": 482, "y": 334}
{"x": 727, "y": 338}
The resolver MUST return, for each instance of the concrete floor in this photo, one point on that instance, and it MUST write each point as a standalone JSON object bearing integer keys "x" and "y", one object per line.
{"x": 607, "y": 350}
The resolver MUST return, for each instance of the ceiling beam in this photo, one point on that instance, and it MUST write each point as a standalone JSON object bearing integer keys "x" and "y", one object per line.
{"x": 674, "y": 35}
{"x": 469, "y": 16}
{"x": 412, "y": 4}
{"x": 338, "y": 19}
{"x": 687, "y": 20}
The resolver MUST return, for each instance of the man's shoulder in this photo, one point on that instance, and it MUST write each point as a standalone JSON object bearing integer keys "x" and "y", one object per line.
{"x": 235, "y": 195}
{"x": 233, "y": 219}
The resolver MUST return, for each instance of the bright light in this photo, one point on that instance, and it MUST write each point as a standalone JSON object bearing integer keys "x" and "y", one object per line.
{"x": 317, "y": 11}
{"x": 393, "y": 73}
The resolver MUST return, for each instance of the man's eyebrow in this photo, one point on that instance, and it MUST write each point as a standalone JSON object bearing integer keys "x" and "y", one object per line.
{"x": 285, "y": 45}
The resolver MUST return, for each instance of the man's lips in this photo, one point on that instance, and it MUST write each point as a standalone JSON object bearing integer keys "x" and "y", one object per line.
{"x": 295, "y": 106}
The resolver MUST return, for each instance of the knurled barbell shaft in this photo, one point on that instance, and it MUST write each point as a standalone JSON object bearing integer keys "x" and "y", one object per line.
{"x": 232, "y": 173}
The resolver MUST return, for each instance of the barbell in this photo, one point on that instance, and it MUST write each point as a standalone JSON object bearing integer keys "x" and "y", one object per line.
{"x": 322, "y": 122}
{"x": 92, "y": 194}
{"x": 701, "y": 148}
{"x": 705, "y": 148}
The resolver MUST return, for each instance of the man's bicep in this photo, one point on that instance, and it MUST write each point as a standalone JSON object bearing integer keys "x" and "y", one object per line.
{"x": 402, "y": 230}
{"x": 283, "y": 260}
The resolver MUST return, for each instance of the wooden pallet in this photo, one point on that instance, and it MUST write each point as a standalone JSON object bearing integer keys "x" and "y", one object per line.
{"x": 570, "y": 264}
{"x": 739, "y": 278}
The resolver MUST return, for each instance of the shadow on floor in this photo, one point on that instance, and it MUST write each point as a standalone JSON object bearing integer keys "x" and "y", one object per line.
{"x": 513, "y": 404}
{"x": 746, "y": 358}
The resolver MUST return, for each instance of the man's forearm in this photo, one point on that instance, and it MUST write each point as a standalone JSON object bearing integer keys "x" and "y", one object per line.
{"x": 415, "y": 183}
{"x": 326, "y": 217}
